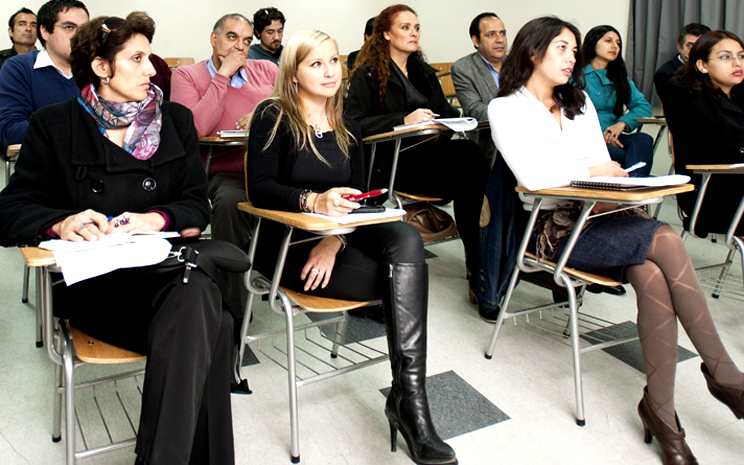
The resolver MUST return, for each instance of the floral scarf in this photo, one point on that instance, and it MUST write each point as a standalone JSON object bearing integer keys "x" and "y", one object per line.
{"x": 144, "y": 119}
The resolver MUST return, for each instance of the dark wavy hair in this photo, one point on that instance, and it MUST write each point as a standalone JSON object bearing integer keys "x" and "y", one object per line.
{"x": 49, "y": 12}
{"x": 699, "y": 81}
{"x": 376, "y": 50}
{"x": 616, "y": 70}
{"x": 532, "y": 41}
{"x": 263, "y": 18}
{"x": 88, "y": 43}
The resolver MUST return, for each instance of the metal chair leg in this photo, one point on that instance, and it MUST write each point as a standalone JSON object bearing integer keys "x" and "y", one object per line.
{"x": 26, "y": 272}
{"x": 724, "y": 272}
{"x": 502, "y": 313}
{"x": 576, "y": 348}
{"x": 39, "y": 308}
{"x": 69, "y": 375}
{"x": 58, "y": 395}
{"x": 292, "y": 378}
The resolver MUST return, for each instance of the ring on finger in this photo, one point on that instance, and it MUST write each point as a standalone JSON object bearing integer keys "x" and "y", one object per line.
{"x": 336, "y": 202}
{"x": 315, "y": 271}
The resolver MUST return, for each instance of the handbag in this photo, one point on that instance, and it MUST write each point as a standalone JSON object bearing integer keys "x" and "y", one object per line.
{"x": 434, "y": 224}
{"x": 211, "y": 255}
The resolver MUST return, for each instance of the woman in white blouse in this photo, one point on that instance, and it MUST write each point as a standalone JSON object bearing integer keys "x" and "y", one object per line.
{"x": 548, "y": 133}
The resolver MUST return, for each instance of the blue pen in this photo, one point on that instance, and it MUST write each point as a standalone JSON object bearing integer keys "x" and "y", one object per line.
{"x": 640, "y": 164}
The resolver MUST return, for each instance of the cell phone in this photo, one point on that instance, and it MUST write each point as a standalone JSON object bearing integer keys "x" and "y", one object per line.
{"x": 366, "y": 195}
{"x": 368, "y": 209}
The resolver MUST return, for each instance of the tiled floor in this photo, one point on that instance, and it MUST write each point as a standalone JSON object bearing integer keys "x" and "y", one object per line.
{"x": 517, "y": 408}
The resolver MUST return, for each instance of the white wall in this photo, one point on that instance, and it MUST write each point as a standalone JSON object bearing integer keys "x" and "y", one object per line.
{"x": 183, "y": 26}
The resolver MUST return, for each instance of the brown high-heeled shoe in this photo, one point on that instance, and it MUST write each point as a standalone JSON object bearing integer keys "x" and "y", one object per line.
{"x": 671, "y": 441}
{"x": 731, "y": 396}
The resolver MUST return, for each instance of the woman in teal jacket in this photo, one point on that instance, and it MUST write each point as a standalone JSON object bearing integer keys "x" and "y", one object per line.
{"x": 612, "y": 92}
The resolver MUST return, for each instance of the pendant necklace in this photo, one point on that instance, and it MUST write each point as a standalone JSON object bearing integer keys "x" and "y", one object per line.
{"x": 317, "y": 128}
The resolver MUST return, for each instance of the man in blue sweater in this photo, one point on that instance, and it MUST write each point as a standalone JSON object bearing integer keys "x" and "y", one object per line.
{"x": 39, "y": 78}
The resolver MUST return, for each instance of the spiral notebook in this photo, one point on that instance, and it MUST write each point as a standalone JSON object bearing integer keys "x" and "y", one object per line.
{"x": 625, "y": 184}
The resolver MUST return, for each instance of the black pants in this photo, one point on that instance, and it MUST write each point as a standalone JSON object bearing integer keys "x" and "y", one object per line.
{"x": 188, "y": 339}
{"x": 454, "y": 170}
{"x": 357, "y": 269}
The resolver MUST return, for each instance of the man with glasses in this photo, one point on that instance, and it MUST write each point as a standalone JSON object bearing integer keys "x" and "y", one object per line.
{"x": 22, "y": 32}
{"x": 39, "y": 78}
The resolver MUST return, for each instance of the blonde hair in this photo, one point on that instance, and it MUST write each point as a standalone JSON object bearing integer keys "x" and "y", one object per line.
{"x": 286, "y": 96}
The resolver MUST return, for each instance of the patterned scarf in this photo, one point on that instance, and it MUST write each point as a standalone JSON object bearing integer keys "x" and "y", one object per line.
{"x": 144, "y": 119}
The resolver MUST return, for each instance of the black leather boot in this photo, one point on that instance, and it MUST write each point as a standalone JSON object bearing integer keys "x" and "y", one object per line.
{"x": 405, "y": 288}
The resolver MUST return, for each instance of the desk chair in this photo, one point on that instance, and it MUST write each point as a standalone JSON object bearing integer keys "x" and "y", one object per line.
{"x": 345, "y": 357}
{"x": 569, "y": 278}
{"x": 10, "y": 156}
{"x": 212, "y": 142}
{"x": 659, "y": 121}
{"x": 732, "y": 242}
{"x": 175, "y": 62}
{"x": 70, "y": 349}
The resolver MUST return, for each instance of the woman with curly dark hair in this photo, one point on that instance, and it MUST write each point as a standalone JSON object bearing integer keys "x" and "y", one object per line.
{"x": 392, "y": 85}
{"x": 612, "y": 92}
{"x": 115, "y": 159}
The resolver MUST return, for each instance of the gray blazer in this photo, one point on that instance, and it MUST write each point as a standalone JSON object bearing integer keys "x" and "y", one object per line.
{"x": 475, "y": 90}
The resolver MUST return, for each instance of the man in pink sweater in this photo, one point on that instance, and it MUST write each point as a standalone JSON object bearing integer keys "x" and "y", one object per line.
{"x": 222, "y": 92}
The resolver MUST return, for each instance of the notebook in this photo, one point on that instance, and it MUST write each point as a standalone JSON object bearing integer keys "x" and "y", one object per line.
{"x": 624, "y": 184}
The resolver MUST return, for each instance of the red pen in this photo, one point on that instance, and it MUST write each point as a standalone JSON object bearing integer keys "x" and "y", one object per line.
{"x": 366, "y": 195}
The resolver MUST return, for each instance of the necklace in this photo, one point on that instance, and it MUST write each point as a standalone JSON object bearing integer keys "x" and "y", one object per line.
{"x": 317, "y": 128}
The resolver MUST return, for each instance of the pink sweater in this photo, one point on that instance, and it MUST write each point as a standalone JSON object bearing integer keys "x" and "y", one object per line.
{"x": 217, "y": 106}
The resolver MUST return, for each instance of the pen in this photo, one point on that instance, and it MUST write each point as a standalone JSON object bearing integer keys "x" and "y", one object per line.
{"x": 120, "y": 222}
{"x": 435, "y": 114}
{"x": 640, "y": 164}
{"x": 366, "y": 195}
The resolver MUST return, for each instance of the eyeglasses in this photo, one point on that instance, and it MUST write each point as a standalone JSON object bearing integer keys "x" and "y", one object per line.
{"x": 726, "y": 58}
{"x": 111, "y": 24}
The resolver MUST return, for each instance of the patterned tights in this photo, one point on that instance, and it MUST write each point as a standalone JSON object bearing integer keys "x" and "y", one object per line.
{"x": 667, "y": 288}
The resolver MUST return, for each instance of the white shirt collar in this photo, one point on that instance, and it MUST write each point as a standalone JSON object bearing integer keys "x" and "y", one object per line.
{"x": 43, "y": 60}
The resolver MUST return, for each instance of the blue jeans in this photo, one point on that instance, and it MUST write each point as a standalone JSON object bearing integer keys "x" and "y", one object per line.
{"x": 637, "y": 147}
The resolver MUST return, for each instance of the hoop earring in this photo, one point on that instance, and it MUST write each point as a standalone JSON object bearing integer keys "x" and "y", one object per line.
{"x": 297, "y": 89}
{"x": 105, "y": 81}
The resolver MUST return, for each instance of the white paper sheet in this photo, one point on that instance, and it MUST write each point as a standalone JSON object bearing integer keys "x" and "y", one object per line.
{"x": 84, "y": 260}
{"x": 455, "y": 124}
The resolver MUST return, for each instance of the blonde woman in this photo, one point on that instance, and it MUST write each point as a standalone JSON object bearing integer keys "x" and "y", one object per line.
{"x": 303, "y": 155}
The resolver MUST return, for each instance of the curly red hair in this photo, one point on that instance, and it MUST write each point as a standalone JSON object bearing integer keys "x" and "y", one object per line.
{"x": 376, "y": 50}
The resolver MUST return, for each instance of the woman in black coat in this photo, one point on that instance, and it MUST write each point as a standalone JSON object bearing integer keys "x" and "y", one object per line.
{"x": 119, "y": 150}
{"x": 391, "y": 86}
{"x": 704, "y": 108}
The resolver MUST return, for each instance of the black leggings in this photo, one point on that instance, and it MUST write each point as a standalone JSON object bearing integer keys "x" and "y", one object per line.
{"x": 357, "y": 269}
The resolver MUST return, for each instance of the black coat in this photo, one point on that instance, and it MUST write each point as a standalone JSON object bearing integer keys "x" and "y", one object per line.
{"x": 707, "y": 131}
{"x": 66, "y": 166}
{"x": 363, "y": 102}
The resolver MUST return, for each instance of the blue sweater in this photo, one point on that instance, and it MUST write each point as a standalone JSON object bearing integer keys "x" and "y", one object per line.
{"x": 256, "y": 52}
{"x": 602, "y": 92}
{"x": 23, "y": 90}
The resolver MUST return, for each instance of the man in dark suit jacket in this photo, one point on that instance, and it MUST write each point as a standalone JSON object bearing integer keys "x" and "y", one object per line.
{"x": 476, "y": 76}
{"x": 687, "y": 38}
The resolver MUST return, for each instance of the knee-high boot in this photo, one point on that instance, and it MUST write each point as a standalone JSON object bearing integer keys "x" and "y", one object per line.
{"x": 404, "y": 302}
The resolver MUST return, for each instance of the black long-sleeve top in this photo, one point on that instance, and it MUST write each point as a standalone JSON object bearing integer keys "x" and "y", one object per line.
{"x": 279, "y": 173}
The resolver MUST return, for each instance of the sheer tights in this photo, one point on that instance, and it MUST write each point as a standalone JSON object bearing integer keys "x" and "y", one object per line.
{"x": 668, "y": 288}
